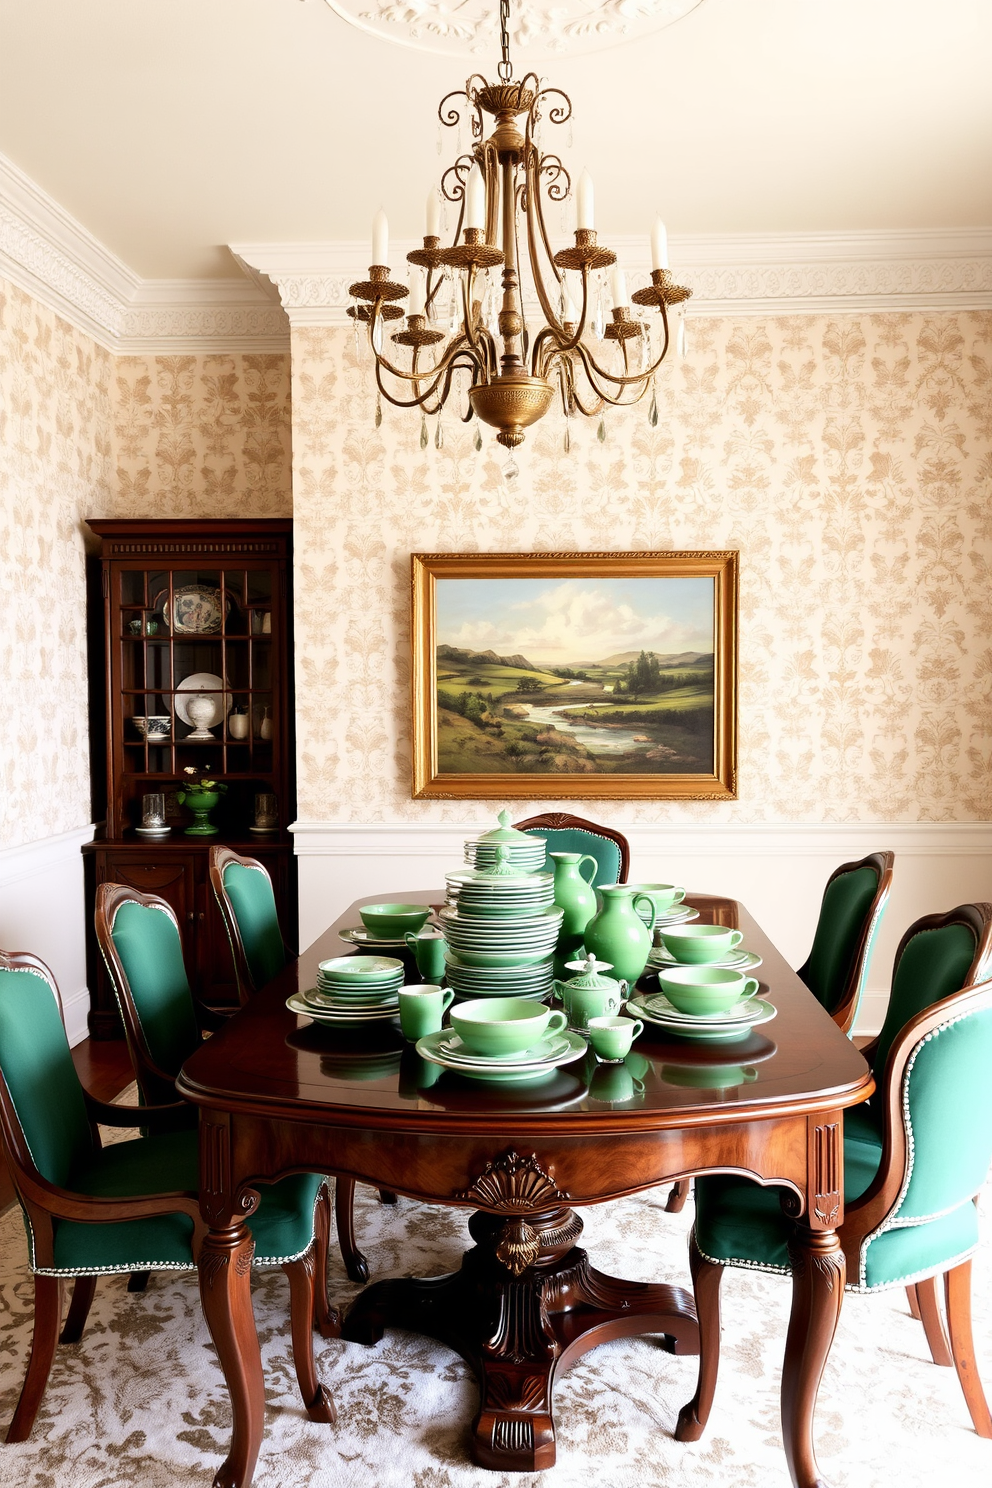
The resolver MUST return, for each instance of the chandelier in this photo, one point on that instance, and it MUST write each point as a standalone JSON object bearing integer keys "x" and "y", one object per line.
{"x": 516, "y": 364}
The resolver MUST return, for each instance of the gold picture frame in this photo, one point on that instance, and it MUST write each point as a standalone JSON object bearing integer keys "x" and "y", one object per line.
{"x": 624, "y": 724}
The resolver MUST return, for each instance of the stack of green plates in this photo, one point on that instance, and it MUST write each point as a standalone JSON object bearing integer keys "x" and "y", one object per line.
{"x": 353, "y": 988}
{"x": 498, "y": 896}
{"x": 536, "y": 980}
{"x": 525, "y": 857}
{"x": 517, "y": 940}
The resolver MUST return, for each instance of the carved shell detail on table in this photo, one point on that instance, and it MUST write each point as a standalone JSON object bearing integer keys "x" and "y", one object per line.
{"x": 512, "y": 1184}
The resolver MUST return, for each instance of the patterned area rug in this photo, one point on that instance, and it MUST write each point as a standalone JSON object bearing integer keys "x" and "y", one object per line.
{"x": 141, "y": 1400}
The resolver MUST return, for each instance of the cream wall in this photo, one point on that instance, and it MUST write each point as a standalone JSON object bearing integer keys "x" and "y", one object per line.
{"x": 846, "y": 456}
{"x": 84, "y": 433}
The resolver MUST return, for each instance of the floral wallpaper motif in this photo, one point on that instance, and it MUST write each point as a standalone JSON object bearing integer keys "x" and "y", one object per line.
{"x": 82, "y": 434}
{"x": 55, "y": 469}
{"x": 205, "y": 435}
{"x": 848, "y": 458}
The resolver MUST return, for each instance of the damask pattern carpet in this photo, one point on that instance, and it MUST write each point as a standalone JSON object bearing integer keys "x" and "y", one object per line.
{"x": 140, "y": 1400}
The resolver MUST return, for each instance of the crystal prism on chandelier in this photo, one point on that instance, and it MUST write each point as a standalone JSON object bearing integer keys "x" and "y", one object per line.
{"x": 515, "y": 366}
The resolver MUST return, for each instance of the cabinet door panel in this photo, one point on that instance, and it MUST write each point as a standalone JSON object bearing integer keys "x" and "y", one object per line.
{"x": 172, "y": 880}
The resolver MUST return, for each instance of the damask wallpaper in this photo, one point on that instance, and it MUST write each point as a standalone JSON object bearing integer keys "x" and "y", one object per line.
{"x": 56, "y": 467}
{"x": 204, "y": 435}
{"x": 83, "y": 433}
{"x": 847, "y": 457}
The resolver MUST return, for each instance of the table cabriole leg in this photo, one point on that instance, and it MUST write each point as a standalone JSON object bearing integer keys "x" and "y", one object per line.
{"x": 525, "y": 1304}
{"x": 819, "y": 1271}
{"x": 706, "y": 1279}
{"x": 224, "y": 1266}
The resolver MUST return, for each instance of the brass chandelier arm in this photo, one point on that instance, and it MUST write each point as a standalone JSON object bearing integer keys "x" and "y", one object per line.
{"x": 417, "y": 375}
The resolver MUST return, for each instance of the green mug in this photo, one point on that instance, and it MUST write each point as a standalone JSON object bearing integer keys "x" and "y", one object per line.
{"x": 428, "y": 951}
{"x": 611, "y": 1038}
{"x": 422, "y": 1009}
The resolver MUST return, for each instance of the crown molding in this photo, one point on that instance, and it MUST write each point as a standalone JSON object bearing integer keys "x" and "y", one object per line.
{"x": 730, "y": 274}
{"x": 50, "y": 256}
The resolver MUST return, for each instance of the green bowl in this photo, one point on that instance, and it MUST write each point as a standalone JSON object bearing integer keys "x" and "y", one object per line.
{"x": 698, "y": 944}
{"x": 392, "y": 921}
{"x": 699, "y": 990}
{"x": 496, "y": 1026}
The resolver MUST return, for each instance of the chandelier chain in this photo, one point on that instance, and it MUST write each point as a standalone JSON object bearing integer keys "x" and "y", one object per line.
{"x": 505, "y": 66}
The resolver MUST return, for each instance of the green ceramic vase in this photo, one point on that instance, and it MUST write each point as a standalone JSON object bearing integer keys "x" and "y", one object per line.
{"x": 618, "y": 934}
{"x": 201, "y": 804}
{"x": 573, "y": 894}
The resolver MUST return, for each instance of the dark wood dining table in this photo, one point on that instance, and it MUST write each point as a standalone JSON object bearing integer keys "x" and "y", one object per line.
{"x": 279, "y": 1094}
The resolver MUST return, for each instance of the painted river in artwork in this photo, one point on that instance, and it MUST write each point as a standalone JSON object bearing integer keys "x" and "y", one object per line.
{"x": 596, "y": 740}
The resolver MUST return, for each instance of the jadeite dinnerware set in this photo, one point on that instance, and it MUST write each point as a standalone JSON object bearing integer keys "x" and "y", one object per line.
{"x": 505, "y": 927}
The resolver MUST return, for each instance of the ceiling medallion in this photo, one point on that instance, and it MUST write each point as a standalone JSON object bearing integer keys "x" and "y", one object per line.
{"x": 541, "y": 31}
{"x": 461, "y": 327}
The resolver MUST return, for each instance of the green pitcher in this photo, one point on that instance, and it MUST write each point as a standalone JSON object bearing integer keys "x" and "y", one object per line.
{"x": 618, "y": 934}
{"x": 573, "y": 894}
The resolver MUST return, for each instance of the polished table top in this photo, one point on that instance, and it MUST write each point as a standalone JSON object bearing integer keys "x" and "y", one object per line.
{"x": 269, "y": 1059}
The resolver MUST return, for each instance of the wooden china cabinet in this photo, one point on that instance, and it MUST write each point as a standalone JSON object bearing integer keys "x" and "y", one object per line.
{"x": 192, "y": 609}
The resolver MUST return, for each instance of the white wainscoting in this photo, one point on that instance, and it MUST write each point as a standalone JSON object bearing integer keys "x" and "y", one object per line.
{"x": 777, "y": 869}
{"x": 42, "y": 910}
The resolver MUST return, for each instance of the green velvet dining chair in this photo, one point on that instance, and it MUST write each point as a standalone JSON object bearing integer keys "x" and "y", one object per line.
{"x": 93, "y": 1211}
{"x": 565, "y": 833}
{"x": 916, "y": 1155}
{"x": 247, "y": 903}
{"x": 836, "y": 969}
{"x": 141, "y": 944}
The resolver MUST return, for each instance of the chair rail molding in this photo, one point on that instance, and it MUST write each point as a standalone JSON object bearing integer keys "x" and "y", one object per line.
{"x": 778, "y": 869}
{"x": 52, "y": 257}
{"x": 730, "y": 274}
{"x": 42, "y": 910}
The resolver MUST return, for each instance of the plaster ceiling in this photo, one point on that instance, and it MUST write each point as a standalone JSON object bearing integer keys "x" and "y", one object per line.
{"x": 170, "y": 128}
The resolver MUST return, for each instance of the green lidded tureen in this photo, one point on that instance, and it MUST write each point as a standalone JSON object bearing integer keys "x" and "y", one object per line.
{"x": 590, "y": 994}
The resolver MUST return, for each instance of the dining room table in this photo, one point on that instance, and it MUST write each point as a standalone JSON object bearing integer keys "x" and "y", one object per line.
{"x": 280, "y": 1093}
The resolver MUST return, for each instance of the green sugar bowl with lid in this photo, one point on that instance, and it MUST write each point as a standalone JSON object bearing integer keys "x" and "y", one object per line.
{"x": 590, "y": 994}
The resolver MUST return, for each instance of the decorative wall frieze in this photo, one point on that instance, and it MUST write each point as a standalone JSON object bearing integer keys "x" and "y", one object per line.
{"x": 48, "y": 254}
{"x": 730, "y": 274}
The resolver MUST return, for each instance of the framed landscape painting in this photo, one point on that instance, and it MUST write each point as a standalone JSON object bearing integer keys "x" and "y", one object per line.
{"x": 557, "y": 675}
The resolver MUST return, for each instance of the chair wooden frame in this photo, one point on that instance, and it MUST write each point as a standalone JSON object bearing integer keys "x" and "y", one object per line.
{"x": 557, "y": 821}
{"x": 44, "y": 1202}
{"x": 846, "y": 1010}
{"x": 865, "y": 1215}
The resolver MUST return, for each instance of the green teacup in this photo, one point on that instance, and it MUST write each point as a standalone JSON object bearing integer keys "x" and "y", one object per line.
{"x": 611, "y": 1038}
{"x": 696, "y": 944}
{"x": 428, "y": 951}
{"x": 493, "y": 1026}
{"x": 663, "y": 896}
{"x": 392, "y": 921}
{"x": 422, "y": 1010}
{"x": 705, "y": 989}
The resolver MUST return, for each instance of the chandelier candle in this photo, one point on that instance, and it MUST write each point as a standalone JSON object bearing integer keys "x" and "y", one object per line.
{"x": 517, "y": 366}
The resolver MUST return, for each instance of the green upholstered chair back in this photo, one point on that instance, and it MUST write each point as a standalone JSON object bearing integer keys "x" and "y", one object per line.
{"x": 933, "y": 964}
{"x": 254, "y": 904}
{"x": 40, "y": 1076}
{"x": 147, "y": 941}
{"x": 947, "y": 1105}
{"x": 578, "y": 840}
{"x": 847, "y": 902}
